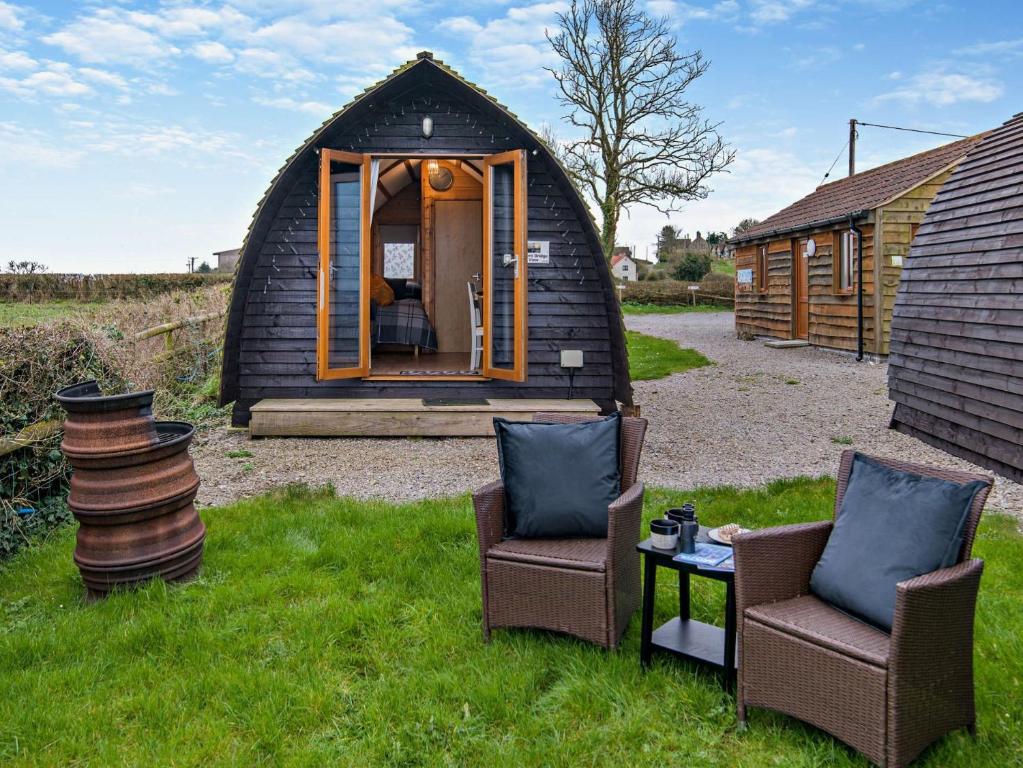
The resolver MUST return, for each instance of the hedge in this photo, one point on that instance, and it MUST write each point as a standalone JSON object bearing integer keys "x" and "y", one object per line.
{"x": 36, "y": 361}
{"x": 64, "y": 287}
{"x": 714, "y": 289}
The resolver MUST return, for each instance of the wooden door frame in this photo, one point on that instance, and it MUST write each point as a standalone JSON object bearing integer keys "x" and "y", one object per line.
{"x": 323, "y": 370}
{"x": 800, "y": 277}
{"x": 517, "y": 157}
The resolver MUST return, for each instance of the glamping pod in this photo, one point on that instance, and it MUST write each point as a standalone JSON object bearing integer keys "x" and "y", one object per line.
{"x": 956, "y": 366}
{"x": 419, "y": 265}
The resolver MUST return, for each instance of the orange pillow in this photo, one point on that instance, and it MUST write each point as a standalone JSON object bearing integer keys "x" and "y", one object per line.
{"x": 380, "y": 291}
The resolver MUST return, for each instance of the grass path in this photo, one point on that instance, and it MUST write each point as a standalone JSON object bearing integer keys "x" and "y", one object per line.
{"x": 651, "y": 357}
{"x": 634, "y": 308}
{"x": 324, "y": 631}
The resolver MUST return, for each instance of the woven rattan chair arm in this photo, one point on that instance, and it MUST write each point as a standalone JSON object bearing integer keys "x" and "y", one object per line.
{"x": 936, "y": 607}
{"x": 488, "y": 503}
{"x": 624, "y": 516}
{"x": 775, "y": 564}
{"x": 930, "y": 662}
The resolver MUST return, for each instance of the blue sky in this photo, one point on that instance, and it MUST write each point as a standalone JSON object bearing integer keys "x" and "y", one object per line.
{"x": 136, "y": 134}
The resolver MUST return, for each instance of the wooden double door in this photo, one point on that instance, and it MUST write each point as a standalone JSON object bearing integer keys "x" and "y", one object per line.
{"x": 348, "y": 182}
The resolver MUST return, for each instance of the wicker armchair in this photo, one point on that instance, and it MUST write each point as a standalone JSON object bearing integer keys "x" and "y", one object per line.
{"x": 886, "y": 695}
{"x": 583, "y": 587}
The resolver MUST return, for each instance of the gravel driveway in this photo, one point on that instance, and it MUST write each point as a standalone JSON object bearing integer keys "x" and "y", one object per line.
{"x": 761, "y": 414}
{"x": 757, "y": 415}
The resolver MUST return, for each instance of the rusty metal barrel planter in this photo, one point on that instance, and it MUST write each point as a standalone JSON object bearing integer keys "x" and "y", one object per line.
{"x": 132, "y": 490}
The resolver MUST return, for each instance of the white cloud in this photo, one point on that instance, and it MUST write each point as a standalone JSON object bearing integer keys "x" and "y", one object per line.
{"x": 941, "y": 89}
{"x": 363, "y": 40}
{"x": 11, "y": 60}
{"x": 153, "y": 139}
{"x": 512, "y": 50}
{"x": 212, "y": 52}
{"x": 22, "y": 146}
{"x": 60, "y": 79}
{"x": 318, "y": 108}
{"x": 264, "y": 62}
{"x": 49, "y": 82}
{"x": 190, "y": 21}
{"x": 777, "y": 11}
{"x": 460, "y": 25}
{"x": 1008, "y": 49}
{"x": 102, "y": 77}
{"x": 681, "y": 13}
{"x": 111, "y": 36}
{"x": 10, "y": 17}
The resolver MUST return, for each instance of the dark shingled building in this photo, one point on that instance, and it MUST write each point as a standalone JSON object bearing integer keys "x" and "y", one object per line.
{"x": 956, "y": 366}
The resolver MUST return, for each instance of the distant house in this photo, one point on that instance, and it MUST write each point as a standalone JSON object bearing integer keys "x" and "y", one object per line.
{"x": 796, "y": 271}
{"x": 227, "y": 259}
{"x": 696, "y": 244}
{"x": 622, "y": 264}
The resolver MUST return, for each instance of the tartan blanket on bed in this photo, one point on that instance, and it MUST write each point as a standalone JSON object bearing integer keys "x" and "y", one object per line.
{"x": 405, "y": 322}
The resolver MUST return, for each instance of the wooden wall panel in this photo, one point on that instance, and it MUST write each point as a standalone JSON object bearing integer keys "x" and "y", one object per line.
{"x": 956, "y": 366}
{"x": 899, "y": 220}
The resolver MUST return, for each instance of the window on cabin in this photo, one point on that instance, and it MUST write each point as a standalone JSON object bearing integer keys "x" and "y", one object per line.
{"x": 844, "y": 257}
{"x": 762, "y": 267}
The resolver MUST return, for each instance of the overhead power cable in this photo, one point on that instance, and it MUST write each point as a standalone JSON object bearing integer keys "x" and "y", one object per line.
{"x": 913, "y": 130}
{"x": 837, "y": 158}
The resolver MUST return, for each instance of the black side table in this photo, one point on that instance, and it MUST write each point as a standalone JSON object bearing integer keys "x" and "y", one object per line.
{"x": 683, "y": 636}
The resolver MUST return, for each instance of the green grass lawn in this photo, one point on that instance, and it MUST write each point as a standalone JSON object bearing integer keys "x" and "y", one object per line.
{"x": 654, "y": 358}
{"x": 723, "y": 266}
{"x": 324, "y": 631}
{"x": 632, "y": 308}
{"x": 14, "y": 314}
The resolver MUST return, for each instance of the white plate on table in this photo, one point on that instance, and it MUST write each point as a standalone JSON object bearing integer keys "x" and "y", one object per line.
{"x": 724, "y": 538}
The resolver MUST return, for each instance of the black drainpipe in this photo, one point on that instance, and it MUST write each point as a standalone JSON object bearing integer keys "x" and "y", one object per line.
{"x": 859, "y": 289}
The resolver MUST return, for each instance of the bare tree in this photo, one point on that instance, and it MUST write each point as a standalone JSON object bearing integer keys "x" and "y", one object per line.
{"x": 549, "y": 136}
{"x": 744, "y": 226}
{"x": 624, "y": 81}
{"x": 25, "y": 267}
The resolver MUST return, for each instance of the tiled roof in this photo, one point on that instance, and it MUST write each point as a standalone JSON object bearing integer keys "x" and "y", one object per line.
{"x": 862, "y": 192}
{"x": 618, "y": 257}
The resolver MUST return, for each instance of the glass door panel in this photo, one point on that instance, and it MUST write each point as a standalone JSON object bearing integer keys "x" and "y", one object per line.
{"x": 504, "y": 266}
{"x": 343, "y": 295}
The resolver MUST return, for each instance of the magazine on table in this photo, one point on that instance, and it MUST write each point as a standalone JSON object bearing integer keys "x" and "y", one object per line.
{"x": 706, "y": 555}
{"x": 725, "y": 566}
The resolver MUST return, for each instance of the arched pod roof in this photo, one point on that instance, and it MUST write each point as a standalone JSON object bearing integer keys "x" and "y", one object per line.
{"x": 422, "y": 71}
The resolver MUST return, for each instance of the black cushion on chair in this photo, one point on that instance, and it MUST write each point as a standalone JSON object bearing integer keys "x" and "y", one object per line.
{"x": 891, "y": 526}
{"x": 559, "y": 478}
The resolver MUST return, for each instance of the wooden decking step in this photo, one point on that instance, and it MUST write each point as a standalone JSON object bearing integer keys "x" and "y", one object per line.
{"x": 397, "y": 417}
{"x": 787, "y": 343}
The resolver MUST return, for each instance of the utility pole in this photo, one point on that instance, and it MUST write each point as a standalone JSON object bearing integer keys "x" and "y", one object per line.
{"x": 852, "y": 147}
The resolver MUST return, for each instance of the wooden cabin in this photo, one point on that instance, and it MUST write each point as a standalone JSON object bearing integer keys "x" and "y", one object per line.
{"x": 797, "y": 272}
{"x": 956, "y": 366}
{"x": 419, "y": 265}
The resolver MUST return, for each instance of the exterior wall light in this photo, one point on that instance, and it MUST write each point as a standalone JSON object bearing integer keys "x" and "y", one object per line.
{"x": 427, "y": 127}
